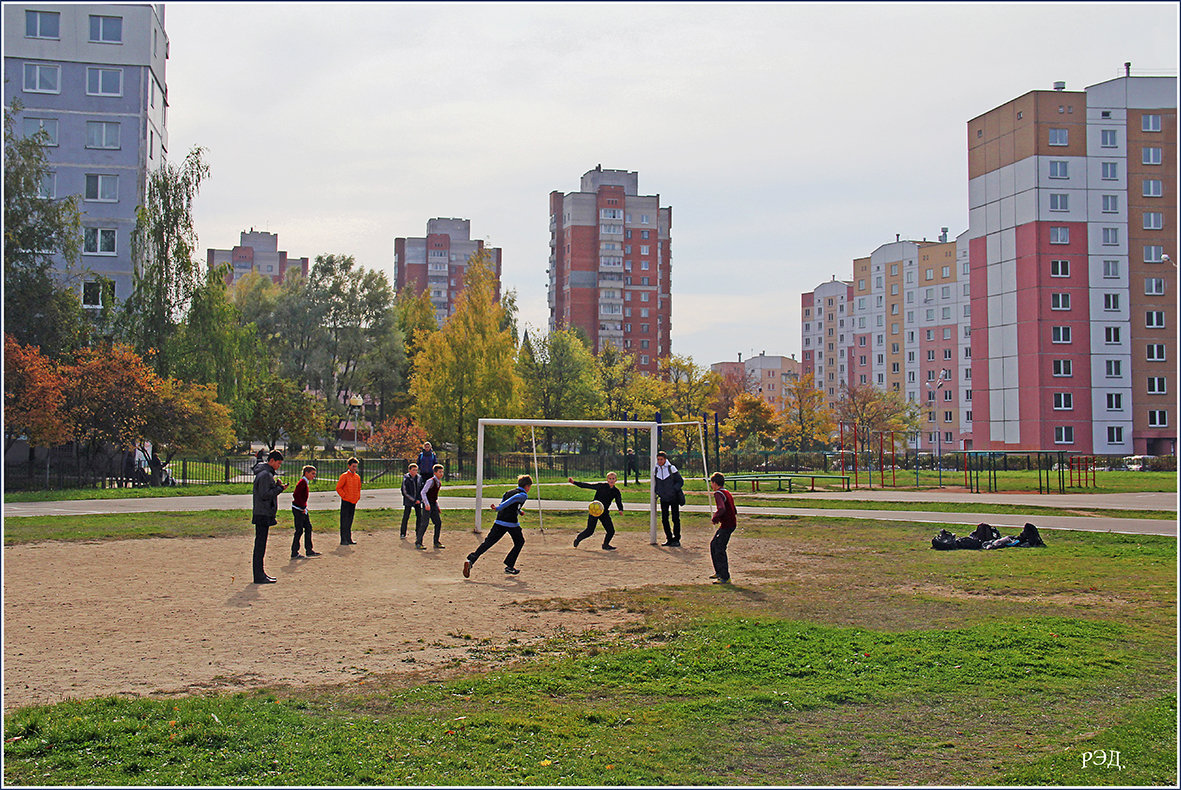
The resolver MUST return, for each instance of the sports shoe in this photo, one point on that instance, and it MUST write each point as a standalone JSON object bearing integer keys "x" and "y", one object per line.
{"x": 297, "y": 556}
{"x": 722, "y": 581}
{"x": 440, "y": 546}
{"x": 311, "y": 553}
{"x": 608, "y": 548}
{"x": 420, "y": 547}
{"x": 402, "y": 536}
{"x": 511, "y": 570}
{"x": 467, "y": 569}
{"x": 577, "y": 541}
{"x": 713, "y": 576}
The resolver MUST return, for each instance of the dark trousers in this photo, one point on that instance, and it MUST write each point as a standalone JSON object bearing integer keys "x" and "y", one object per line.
{"x": 424, "y": 517}
{"x": 347, "y": 511}
{"x": 260, "y": 549}
{"x": 608, "y": 527}
{"x": 497, "y": 532}
{"x": 673, "y": 534}
{"x": 717, "y": 552}
{"x": 632, "y": 470}
{"x": 406, "y": 511}
{"x": 303, "y": 526}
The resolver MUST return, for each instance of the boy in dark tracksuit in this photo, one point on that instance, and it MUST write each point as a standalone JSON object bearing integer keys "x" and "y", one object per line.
{"x": 507, "y": 523}
{"x": 411, "y": 501}
{"x": 726, "y": 517}
{"x": 430, "y": 509}
{"x": 605, "y": 493}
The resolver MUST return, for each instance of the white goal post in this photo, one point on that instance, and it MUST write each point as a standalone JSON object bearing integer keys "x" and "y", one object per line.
{"x": 652, "y": 433}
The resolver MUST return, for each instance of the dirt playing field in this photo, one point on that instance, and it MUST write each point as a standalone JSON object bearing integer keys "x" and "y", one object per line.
{"x": 182, "y": 616}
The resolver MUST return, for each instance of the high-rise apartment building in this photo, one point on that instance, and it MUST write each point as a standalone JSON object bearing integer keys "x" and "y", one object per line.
{"x": 257, "y": 251}
{"x": 92, "y": 76}
{"x": 610, "y": 265}
{"x": 765, "y": 376}
{"x": 827, "y": 338}
{"x": 1072, "y": 233}
{"x": 438, "y": 261}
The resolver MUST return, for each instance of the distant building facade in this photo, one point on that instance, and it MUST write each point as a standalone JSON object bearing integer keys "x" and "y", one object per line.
{"x": 610, "y": 265}
{"x": 438, "y": 262}
{"x": 827, "y": 337}
{"x": 765, "y": 376}
{"x": 93, "y": 77}
{"x": 257, "y": 251}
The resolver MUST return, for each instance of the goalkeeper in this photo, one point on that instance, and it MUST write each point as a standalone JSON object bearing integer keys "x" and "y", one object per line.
{"x": 600, "y": 509}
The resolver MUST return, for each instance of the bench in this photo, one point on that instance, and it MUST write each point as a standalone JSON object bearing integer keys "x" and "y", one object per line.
{"x": 756, "y": 479}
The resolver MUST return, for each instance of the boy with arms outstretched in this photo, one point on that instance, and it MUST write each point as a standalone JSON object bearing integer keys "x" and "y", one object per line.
{"x": 605, "y": 493}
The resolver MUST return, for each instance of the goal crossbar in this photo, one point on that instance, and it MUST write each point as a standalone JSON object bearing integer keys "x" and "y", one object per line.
{"x": 649, "y": 425}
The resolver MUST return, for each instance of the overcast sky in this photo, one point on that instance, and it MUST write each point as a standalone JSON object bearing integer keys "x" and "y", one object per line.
{"x": 787, "y": 138}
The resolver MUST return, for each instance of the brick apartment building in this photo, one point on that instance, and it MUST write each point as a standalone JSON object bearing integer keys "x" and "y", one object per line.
{"x": 438, "y": 261}
{"x": 765, "y": 376}
{"x": 257, "y": 251}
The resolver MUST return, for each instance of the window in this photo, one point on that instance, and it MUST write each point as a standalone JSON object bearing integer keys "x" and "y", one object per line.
{"x": 32, "y": 126}
{"x": 1111, "y": 302}
{"x": 643, "y": 219}
{"x": 1060, "y": 334}
{"x": 1059, "y": 137}
{"x": 96, "y": 293}
{"x": 1152, "y": 187}
{"x": 48, "y": 187}
{"x": 1111, "y": 270}
{"x": 1149, "y": 123}
{"x": 930, "y": 275}
{"x": 98, "y": 241}
{"x": 947, "y": 270}
{"x": 102, "y": 187}
{"x": 1158, "y": 418}
{"x": 1157, "y": 386}
{"x": 104, "y": 82}
{"x": 1063, "y": 434}
{"x": 1063, "y": 401}
{"x": 1107, "y": 138}
{"x": 106, "y": 29}
{"x": 1111, "y": 335}
{"x": 947, "y": 353}
{"x": 1113, "y": 368}
{"x": 1059, "y": 201}
{"x": 644, "y": 249}
{"x": 1111, "y": 204}
{"x": 1059, "y": 301}
{"x": 1154, "y": 253}
{"x": 893, "y": 269}
{"x": 1059, "y": 268}
{"x": 1150, "y": 155}
{"x": 1063, "y": 367}
{"x": 1154, "y": 286}
{"x": 1115, "y": 434}
{"x": 1058, "y": 235}
{"x": 1109, "y": 171}
{"x": 42, "y": 78}
{"x": 1059, "y": 168}
{"x": 947, "y": 417}
{"x": 1156, "y": 352}
{"x": 1115, "y": 401}
{"x": 948, "y": 394}
{"x": 1154, "y": 319}
{"x": 1111, "y": 237}
{"x": 42, "y": 24}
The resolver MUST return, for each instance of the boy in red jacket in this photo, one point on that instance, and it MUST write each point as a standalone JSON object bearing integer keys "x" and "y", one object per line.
{"x": 726, "y": 517}
{"x": 299, "y": 509}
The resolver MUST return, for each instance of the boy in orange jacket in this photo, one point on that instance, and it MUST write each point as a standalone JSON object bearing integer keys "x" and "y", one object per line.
{"x": 348, "y": 488}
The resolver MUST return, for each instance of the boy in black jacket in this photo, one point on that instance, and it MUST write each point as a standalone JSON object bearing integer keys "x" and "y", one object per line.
{"x": 604, "y": 493}
{"x": 411, "y": 499}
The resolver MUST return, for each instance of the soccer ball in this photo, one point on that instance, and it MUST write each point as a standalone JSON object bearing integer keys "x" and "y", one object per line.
{"x": 595, "y": 507}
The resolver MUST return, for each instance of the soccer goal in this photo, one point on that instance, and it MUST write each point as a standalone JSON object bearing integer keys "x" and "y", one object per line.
{"x": 626, "y": 424}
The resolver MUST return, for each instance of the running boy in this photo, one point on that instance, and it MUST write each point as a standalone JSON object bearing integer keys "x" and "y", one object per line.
{"x": 430, "y": 504}
{"x": 604, "y": 493}
{"x": 726, "y": 517}
{"x": 411, "y": 497}
{"x": 299, "y": 511}
{"x": 507, "y": 523}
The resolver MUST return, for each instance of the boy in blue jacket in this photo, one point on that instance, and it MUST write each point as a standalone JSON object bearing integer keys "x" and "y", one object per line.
{"x": 507, "y": 523}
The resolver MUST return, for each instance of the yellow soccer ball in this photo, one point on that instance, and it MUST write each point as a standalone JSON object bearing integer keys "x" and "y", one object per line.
{"x": 596, "y": 507}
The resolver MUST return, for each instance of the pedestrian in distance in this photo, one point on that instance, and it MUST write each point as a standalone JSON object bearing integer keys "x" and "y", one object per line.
{"x": 430, "y": 509}
{"x": 266, "y": 505}
{"x": 670, "y": 491}
{"x": 726, "y": 517}
{"x": 348, "y": 488}
{"x": 426, "y": 463}
{"x": 631, "y": 464}
{"x": 411, "y": 497}
{"x": 299, "y": 512}
{"x": 605, "y": 494}
{"x": 508, "y": 514}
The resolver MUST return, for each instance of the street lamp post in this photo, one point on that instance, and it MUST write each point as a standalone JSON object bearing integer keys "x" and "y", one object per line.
{"x": 356, "y": 401}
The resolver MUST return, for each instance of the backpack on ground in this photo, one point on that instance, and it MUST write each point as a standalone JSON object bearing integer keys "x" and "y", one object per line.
{"x": 985, "y": 533}
{"x": 968, "y": 542}
{"x": 944, "y": 541}
{"x": 1030, "y": 536}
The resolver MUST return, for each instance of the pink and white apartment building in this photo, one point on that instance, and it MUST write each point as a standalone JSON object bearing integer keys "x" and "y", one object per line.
{"x": 437, "y": 263}
{"x": 1071, "y": 242}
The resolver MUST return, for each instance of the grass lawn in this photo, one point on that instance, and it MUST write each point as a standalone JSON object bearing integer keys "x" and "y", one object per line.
{"x": 889, "y": 664}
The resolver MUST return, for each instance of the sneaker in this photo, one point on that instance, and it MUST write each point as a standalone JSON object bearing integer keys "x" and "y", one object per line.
{"x": 420, "y": 547}
{"x": 440, "y": 546}
{"x": 467, "y": 569}
{"x": 676, "y": 544}
{"x": 608, "y": 548}
{"x": 402, "y": 536}
{"x": 511, "y": 570}
{"x": 713, "y": 576}
{"x": 311, "y": 553}
{"x": 669, "y": 543}
{"x": 577, "y": 541}
{"x": 722, "y": 581}
{"x": 297, "y": 556}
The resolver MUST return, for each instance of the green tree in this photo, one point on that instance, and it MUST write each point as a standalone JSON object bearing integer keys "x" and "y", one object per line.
{"x": 384, "y": 368}
{"x": 806, "y": 421}
{"x": 184, "y": 417}
{"x": 466, "y": 370}
{"x": 559, "y": 380}
{"x": 164, "y": 246}
{"x": 751, "y": 424}
{"x": 416, "y": 320}
{"x": 276, "y": 408}
{"x": 41, "y": 304}
{"x": 687, "y": 390}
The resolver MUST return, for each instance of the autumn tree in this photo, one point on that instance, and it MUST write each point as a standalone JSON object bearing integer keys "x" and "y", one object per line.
{"x": 466, "y": 370}
{"x": 164, "y": 249}
{"x": 276, "y": 408}
{"x": 416, "y": 320}
{"x": 687, "y": 389}
{"x": 183, "y": 417}
{"x": 397, "y": 437}
{"x": 42, "y": 242}
{"x": 806, "y": 420}
{"x": 751, "y": 424}
{"x": 871, "y": 409}
{"x": 34, "y": 398}
{"x": 730, "y": 386}
{"x": 559, "y": 379}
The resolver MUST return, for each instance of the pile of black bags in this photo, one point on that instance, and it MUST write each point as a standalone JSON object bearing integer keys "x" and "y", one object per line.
{"x": 987, "y": 537}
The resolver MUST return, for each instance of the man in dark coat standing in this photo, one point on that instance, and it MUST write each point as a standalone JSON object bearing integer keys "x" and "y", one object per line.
{"x": 426, "y": 464}
{"x": 266, "y": 505}
{"x": 669, "y": 490}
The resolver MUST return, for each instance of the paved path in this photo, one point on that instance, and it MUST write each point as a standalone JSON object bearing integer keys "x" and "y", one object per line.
{"x": 391, "y": 498}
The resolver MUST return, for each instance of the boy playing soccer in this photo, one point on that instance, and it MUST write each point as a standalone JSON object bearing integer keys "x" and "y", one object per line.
{"x": 299, "y": 510}
{"x": 606, "y": 493}
{"x": 726, "y": 517}
{"x": 507, "y": 523}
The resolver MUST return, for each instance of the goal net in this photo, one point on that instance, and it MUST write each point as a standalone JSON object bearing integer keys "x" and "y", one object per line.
{"x": 537, "y": 494}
